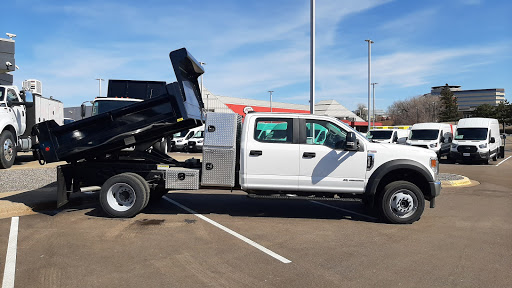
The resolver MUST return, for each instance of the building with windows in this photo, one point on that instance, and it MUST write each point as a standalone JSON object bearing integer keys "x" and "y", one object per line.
{"x": 468, "y": 100}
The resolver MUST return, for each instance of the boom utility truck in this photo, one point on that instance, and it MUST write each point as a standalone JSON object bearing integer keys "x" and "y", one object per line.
{"x": 19, "y": 112}
{"x": 270, "y": 155}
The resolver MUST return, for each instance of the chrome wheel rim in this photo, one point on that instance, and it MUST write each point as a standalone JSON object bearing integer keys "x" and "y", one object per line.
{"x": 8, "y": 150}
{"x": 403, "y": 203}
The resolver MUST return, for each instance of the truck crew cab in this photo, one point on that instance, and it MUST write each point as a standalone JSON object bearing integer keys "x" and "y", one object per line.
{"x": 269, "y": 155}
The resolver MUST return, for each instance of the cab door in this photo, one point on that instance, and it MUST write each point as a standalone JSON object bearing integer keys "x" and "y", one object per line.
{"x": 271, "y": 155}
{"x": 324, "y": 165}
{"x": 18, "y": 112}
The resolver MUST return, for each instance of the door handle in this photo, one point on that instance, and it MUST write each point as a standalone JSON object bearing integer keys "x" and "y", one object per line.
{"x": 256, "y": 153}
{"x": 309, "y": 155}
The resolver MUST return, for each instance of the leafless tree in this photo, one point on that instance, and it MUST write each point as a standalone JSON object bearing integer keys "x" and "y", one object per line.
{"x": 418, "y": 109}
{"x": 362, "y": 111}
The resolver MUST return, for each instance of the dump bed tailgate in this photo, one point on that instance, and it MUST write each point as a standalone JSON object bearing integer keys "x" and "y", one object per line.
{"x": 179, "y": 107}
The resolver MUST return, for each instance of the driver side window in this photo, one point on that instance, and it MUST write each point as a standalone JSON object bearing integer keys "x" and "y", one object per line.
{"x": 11, "y": 95}
{"x": 319, "y": 132}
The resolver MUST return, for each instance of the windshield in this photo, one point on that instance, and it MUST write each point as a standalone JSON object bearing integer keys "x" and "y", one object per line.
{"x": 424, "y": 134}
{"x": 180, "y": 134}
{"x": 471, "y": 134}
{"x": 199, "y": 134}
{"x": 2, "y": 92}
{"x": 380, "y": 134}
{"x": 103, "y": 106}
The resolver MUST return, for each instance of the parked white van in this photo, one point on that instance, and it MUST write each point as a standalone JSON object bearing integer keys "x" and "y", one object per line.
{"x": 398, "y": 136}
{"x": 180, "y": 140}
{"x": 434, "y": 136}
{"x": 476, "y": 139}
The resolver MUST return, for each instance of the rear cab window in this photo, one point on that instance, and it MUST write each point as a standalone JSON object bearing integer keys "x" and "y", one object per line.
{"x": 273, "y": 130}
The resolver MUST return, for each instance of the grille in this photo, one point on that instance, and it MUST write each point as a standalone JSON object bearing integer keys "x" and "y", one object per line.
{"x": 466, "y": 149}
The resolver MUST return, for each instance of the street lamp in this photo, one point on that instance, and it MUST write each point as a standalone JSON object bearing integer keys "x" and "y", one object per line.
{"x": 202, "y": 64}
{"x": 312, "y": 61}
{"x": 369, "y": 77}
{"x": 99, "y": 82}
{"x": 373, "y": 108}
{"x": 270, "y": 91}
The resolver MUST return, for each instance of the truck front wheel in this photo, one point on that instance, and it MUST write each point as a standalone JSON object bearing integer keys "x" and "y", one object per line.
{"x": 123, "y": 195}
{"x": 401, "y": 202}
{"x": 7, "y": 149}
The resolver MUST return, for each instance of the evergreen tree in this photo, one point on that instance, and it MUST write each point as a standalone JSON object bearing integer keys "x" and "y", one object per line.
{"x": 503, "y": 112}
{"x": 484, "y": 111}
{"x": 449, "y": 110}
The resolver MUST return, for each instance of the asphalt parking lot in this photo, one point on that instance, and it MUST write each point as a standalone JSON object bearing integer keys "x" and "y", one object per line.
{"x": 220, "y": 238}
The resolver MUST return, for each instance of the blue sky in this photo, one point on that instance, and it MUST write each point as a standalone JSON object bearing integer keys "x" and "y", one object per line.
{"x": 251, "y": 46}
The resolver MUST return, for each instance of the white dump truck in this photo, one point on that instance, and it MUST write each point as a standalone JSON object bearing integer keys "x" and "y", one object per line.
{"x": 269, "y": 155}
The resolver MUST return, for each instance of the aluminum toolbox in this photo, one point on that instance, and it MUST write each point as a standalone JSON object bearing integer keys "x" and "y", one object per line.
{"x": 219, "y": 167}
{"x": 222, "y": 130}
{"x": 181, "y": 178}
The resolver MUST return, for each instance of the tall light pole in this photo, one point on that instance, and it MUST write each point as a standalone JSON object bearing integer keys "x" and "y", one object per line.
{"x": 202, "y": 64}
{"x": 369, "y": 77}
{"x": 270, "y": 91}
{"x": 312, "y": 61}
{"x": 373, "y": 106}
{"x": 99, "y": 82}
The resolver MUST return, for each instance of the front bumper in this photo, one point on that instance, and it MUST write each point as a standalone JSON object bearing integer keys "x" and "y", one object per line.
{"x": 476, "y": 156}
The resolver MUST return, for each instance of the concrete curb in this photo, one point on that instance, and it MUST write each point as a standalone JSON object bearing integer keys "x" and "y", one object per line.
{"x": 459, "y": 183}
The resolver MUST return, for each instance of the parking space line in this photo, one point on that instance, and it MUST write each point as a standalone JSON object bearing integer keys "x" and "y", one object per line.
{"x": 503, "y": 161}
{"x": 10, "y": 258}
{"x": 341, "y": 209}
{"x": 225, "y": 229}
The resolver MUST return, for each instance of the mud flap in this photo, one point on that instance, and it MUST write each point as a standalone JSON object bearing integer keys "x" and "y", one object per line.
{"x": 62, "y": 187}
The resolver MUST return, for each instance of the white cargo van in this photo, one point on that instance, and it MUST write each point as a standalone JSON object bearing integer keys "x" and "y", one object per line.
{"x": 434, "y": 136}
{"x": 476, "y": 139}
{"x": 398, "y": 136}
{"x": 180, "y": 140}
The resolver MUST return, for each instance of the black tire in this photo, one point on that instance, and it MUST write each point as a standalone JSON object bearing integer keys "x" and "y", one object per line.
{"x": 401, "y": 202}
{"x": 123, "y": 195}
{"x": 7, "y": 149}
{"x": 495, "y": 157}
{"x": 146, "y": 186}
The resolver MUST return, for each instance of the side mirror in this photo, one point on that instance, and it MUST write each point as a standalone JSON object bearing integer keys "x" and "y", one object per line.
{"x": 82, "y": 110}
{"x": 442, "y": 139}
{"x": 492, "y": 140}
{"x": 351, "y": 143}
{"x": 27, "y": 98}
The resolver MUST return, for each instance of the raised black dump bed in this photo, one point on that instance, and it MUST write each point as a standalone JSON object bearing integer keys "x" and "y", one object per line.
{"x": 116, "y": 144}
{"x": 142, "y": 124}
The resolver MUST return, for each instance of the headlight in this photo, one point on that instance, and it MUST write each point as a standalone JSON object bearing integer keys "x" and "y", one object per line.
{"x": 407, "y": 142}
{"x": 454, "y": 145}
{"x": 199, "y": 141}
{"x": 483, "y": 145}
{"x": 433, "y": 145}
{"x": 178, "y": 141}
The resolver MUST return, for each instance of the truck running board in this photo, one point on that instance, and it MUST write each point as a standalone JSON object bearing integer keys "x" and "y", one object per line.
{"x": 290, "y": 196}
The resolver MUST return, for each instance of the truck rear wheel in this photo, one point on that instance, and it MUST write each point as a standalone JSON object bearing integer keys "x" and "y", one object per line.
{"x": 401, "y": 202}
{"x": 123, "y": 195}
{"x": 146, "y": 186}
{"x": 7, "y": 149}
